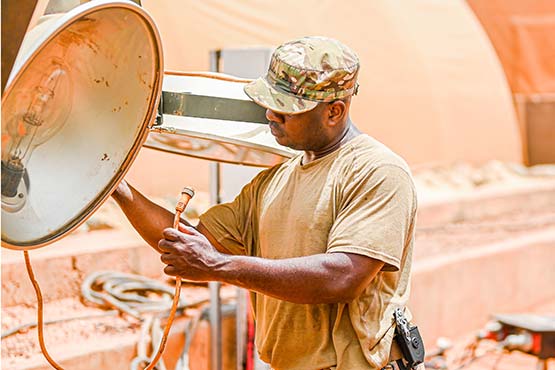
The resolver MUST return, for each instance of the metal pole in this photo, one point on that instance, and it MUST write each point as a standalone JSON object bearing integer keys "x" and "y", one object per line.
{"x": 541, "y": 364}
{"x": 215, "y": 325}
{"x": 214, "y": 286}
{"x": 241, "y": 327}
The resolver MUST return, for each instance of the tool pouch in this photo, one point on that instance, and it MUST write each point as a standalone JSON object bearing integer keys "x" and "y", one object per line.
{"x": 409, "y": 340}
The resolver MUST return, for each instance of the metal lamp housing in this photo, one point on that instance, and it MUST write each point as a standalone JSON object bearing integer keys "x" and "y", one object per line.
{"x": 82, "y": 95}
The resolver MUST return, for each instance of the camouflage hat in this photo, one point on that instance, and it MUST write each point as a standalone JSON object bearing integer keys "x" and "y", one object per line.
{"x": 303, "y": 73}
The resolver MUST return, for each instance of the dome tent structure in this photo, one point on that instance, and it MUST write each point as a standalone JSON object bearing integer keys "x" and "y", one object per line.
{"x": 432, "y": 87}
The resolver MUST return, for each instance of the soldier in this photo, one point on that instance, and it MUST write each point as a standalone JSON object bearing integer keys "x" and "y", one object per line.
{"x": 324, "y": 240}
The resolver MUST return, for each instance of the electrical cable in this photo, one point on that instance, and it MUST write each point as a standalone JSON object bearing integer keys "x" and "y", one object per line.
{"x": 39, "y": 312}
{"x": 129, "y": 293}
{"x": 186, "y": 195}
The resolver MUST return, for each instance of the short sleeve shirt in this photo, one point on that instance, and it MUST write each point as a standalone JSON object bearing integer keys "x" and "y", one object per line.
{"x": 358, "y": 199}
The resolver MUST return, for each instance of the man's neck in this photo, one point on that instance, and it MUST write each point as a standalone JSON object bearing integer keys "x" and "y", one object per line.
{"x": 348, "y": 133}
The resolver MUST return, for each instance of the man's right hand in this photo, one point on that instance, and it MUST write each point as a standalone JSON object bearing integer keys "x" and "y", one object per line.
{"x": 122, "y": 191}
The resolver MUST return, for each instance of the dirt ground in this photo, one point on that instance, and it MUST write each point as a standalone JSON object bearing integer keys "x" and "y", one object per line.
{"x": 463, "y": 179}
{"x": 453, "y": 237}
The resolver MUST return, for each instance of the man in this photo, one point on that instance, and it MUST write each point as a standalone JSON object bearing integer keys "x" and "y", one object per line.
{"x": 324, "y": 240}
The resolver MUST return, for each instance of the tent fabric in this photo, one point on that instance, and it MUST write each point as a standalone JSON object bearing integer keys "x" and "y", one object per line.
{"x": 431, "y": 85}
{"x": 522, "y": 33}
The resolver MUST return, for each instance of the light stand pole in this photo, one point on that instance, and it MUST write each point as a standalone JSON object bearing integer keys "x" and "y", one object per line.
{"x": 214, "y": 286}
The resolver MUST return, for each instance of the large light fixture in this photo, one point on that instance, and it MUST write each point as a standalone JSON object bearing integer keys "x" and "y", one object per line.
{"x": 75, "y": 112}
{"x": 84, "y": 94}
{"x": 208, "y": 116}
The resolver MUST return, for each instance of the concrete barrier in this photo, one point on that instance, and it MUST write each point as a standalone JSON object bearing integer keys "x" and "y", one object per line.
{"x": 487, "y": 202}
{"x": 455, "y": 294}
{"x": 61, "y": 267}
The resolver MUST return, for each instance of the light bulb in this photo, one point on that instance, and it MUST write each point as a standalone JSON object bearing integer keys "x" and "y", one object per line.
{"x": 37, "y": 110}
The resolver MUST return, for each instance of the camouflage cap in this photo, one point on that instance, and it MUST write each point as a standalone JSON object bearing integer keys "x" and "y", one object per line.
{"x": 303, "y": 73}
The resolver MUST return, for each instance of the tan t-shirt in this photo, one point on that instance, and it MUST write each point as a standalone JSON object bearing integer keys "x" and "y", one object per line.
{"x": 359, "y": 199}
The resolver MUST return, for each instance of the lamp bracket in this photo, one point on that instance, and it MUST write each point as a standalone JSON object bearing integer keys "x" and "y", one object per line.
{"x": 203, "y": 106}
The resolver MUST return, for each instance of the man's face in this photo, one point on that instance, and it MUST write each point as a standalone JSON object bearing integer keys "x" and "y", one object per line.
{"x": 304, "y": 131}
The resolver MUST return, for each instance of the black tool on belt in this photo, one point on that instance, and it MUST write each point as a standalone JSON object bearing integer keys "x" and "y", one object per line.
{"x": 409, "y": 340}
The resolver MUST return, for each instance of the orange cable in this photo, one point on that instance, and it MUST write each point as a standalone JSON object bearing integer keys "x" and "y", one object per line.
{"x": 39, "y": 313}
{"x": 186, "y": 195}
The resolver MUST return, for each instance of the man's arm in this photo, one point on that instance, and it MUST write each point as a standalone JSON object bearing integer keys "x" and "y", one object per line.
{"x": 321, "y": 278}
{"x": 197, "y": 255}
{"x": 147, "y": 217}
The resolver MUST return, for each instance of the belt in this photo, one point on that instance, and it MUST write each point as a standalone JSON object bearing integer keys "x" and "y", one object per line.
{"x": 394, "y": 354}
{"x": 393, "y": 366}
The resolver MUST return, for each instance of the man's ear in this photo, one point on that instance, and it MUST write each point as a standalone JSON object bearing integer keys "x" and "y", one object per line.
{"x": 336, "y": 112}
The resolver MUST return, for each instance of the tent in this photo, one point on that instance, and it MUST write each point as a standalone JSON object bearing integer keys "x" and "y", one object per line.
{"x": 432, "y": 87}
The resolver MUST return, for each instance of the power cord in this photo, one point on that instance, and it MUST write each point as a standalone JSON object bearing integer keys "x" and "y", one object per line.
{"x": 186, "y": 195}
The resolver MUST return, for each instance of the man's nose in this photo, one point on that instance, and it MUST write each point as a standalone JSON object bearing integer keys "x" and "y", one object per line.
{"x": 273, "y": 116}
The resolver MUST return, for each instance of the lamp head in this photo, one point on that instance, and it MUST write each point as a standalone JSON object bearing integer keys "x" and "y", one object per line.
{"x": 75, "y": 112}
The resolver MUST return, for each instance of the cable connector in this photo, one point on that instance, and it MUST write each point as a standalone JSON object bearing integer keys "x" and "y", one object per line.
{"x": 186, "y": 194}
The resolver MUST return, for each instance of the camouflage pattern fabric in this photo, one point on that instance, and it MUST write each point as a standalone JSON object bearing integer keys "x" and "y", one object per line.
{"x": 303, "y": 73}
